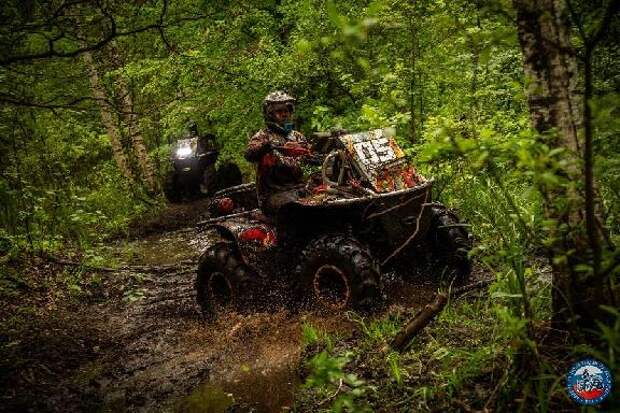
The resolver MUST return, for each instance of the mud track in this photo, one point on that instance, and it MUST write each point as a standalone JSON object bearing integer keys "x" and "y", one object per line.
{"x": 146, "y": 348}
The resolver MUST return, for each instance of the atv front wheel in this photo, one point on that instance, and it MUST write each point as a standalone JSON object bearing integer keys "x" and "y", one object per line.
{"x": 337, "y": 272}
{"x": 450, "y": 242}
{"x": 171, "y": 189}
{"x": 224, "y": 282}
{"x": 208, "y": 183}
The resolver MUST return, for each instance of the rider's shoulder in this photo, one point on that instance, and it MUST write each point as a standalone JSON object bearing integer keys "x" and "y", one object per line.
{"x": 298, "y": 135}
{"x": 262, "y": 133}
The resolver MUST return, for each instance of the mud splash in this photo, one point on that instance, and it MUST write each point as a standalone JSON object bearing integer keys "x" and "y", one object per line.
{"x": 255, "y": 359}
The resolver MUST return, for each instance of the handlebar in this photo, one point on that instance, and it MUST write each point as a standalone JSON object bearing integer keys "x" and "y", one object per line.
{"x": 330, "y": 134}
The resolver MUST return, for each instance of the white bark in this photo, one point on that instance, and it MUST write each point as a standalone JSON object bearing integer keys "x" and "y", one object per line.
{"x": 107, "y": 118}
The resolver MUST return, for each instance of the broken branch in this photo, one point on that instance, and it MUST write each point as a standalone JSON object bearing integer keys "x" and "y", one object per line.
{"x": 419, "y": 321}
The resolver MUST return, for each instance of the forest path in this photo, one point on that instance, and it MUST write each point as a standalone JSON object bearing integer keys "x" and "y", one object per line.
{"x": 172, "y": 358}
{"x": 141, "y": 344}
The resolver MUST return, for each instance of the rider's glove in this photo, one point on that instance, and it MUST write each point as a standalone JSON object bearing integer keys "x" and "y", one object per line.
{"x": 295, "y": 149}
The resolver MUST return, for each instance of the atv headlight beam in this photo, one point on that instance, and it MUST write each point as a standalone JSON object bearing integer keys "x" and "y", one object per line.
{"x": 184, "y": 151}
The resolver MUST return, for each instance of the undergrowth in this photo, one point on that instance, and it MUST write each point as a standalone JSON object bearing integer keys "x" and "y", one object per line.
{"x": 474, "y": 356}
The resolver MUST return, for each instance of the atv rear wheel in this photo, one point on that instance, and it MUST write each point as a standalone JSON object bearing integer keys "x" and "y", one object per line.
{"x": 450, "y": 242}
{"x": 337, "y": 272}
{"x": 224, "y": 282}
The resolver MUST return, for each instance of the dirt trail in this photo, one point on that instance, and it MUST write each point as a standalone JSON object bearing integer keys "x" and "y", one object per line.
{"x": 152, "y": 350}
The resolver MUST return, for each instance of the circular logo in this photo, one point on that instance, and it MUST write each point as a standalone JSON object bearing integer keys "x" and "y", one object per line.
{"x": 588, "y": 381}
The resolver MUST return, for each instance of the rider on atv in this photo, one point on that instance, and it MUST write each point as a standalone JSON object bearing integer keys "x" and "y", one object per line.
{"x": 279, "y": 153}
{"x": 205, "y": 142}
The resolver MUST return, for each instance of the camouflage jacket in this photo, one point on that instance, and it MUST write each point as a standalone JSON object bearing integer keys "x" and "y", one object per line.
{"x": 275, "y": 172}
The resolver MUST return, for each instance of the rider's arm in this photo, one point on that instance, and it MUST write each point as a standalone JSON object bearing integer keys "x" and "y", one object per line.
{"x": 312, "y": 158}
{"x": 258, "y": 146}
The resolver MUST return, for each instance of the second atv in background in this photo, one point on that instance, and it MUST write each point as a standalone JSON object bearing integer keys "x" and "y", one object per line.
{"x": 193, "y": 172}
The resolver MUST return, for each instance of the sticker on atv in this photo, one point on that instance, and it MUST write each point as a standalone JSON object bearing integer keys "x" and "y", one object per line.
{"x": 380, "y": 160}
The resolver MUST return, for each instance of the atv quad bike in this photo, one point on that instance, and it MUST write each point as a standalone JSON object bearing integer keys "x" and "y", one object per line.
{"x": 365, "y": 210}
{"x": 193, "y": 171}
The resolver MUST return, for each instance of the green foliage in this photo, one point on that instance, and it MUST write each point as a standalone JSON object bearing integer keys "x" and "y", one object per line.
{"x": 327, "y": 374}
{"x": 376, "y": 331}
{"x": 446, "y": 74}
{"x": 465, "y": 346}
{"x": 393, "y": 361}
{"x": 312, "y": 337}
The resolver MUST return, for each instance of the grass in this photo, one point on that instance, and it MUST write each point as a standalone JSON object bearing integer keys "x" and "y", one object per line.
{"x": 476, "y": 355}
{"x": 466, "y": 359}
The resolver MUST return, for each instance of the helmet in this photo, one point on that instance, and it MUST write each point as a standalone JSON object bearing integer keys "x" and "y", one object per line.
{"x": 191, "y": 127}
{"x": 275, "y": 100}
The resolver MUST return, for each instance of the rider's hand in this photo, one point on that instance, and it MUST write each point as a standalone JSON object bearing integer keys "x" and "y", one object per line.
{"x": 296, "y": 149}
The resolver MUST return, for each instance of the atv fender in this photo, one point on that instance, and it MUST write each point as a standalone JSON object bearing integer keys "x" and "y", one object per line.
{"x": 253, "y": 236}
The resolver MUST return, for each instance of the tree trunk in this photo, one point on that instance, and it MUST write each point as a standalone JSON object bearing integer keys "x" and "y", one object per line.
{"x": 107, "y": 118}
{"x": 551, "y": 70}
{"x": 130, "y": 118}
{"x": 413, "y": 31}
{"x": 136, "y": 138}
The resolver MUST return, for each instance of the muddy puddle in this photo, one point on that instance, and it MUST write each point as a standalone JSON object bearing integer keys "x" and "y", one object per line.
{"x": 254, "y": 364}
{"x": 255, "y": 360}
{"x": 160, "y": 249}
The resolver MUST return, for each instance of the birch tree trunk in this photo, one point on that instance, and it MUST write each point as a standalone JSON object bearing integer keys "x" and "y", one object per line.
{"x": 107, "y": 118}
{"x": 551, "y": 72}
{"x": 136, "y": 138}
{"x": 130, "y": 118}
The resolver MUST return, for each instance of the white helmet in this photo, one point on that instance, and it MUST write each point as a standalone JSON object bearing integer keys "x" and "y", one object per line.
{"x": 274, "y": 100}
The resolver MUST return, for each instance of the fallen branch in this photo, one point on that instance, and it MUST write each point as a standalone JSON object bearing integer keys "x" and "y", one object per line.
{"x": 428, "y": 313}
{"x": 417, "y": 229}
{"x": 333, "y": 396}
{"x": 388, "y": 210}
{"x": 418, "y": 322}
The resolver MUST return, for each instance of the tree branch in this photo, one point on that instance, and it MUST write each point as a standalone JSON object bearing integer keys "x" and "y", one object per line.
{"x": 113, "y": 33}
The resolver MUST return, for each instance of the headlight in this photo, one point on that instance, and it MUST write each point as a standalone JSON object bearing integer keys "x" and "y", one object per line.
{"x": 184, "y": 151}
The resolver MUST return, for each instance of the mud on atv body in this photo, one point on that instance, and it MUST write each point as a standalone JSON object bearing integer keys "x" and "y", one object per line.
{"x": 330, "y": 249}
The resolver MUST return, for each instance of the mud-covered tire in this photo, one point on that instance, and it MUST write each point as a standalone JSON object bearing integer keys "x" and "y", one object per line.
{"x": 224, "y": 282}
{"x": 338, "y": 272}
{"x": 208, "y": 183}
{"x": 450, "y": 242}
{"x": 228, "y": 175}
{"x": 172, "y": 191}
